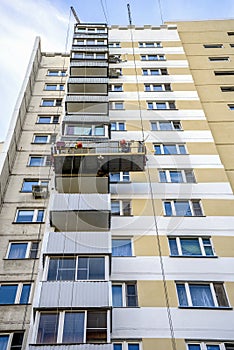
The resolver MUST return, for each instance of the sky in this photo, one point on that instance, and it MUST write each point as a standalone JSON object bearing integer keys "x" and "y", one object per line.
{"x": 23, "y": 20}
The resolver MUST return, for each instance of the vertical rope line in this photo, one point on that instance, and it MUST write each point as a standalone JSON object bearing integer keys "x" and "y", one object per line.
{"x": 160, "y": 10}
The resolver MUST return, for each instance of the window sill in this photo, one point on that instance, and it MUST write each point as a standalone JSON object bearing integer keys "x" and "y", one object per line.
{"x": 119, "y": 130}
{"x": 181, "y": 216}
{"x": 181, "y": 183}
{"x": 120, "y": 182}
{"x": 123, "y": 256}
{"x": 168, "y": 130}
{"x": 162, "y": 109}
{"x": 122, "y": 215}
{"x": 206, "y": 307}
{"x": 7, "y": 259}
{"x": 176, "y": 154}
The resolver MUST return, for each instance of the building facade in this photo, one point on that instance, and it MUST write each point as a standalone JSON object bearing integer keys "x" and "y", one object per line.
{"x": 117, "y": 207}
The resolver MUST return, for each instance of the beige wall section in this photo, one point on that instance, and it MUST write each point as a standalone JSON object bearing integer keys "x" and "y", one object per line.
{"x": 148, "y": 246}
{"x": 171, "y": 44}
{"x": 218, "y": 207}
{"x": 132, "y": 87}
{"x": 201, "y": 148}
{"x": 152, "y": 294}
{"x": 194, "y": 125}
{"x": 178, "y": 71}
{"x": 183, "y": 87}
{"x": 193, "y": 36}
{"x": 210, "y": 175}
{"x": 230, "y": 292}
{"x": 188, "y": 104}
{"x": 223, "y": 246}
{"x": 143, "y": 207}
{"x": 162, "y": 344}
{"x": 175, "y": 56}
{"x": 130, "y": 71}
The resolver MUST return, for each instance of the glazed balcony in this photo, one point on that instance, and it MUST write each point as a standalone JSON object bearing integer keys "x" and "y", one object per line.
{"x": 73, "y": 158}
{"x": 86, "y": 104}
{"x": 71, "y": 347}
{"x": 88, "y": 68}
{"x": 88, "y": 86}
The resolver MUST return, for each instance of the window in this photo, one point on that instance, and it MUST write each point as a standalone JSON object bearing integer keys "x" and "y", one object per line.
{"x": 89, "y": 55}
{"x": 161, "y": 105}
{"x": 72, "y": 327}
{"x": 165, "y": 125}
{"x": 28, "y": 183}
{"x": 12, "y": 341}
{"x": 153, "y": 58}
{"x": 231, "y": 45}
{"x": 149, "y": 44}
{"x": 132, "y": 345}
{"x": 231, "y": 107}
{"x": 86, "y": 130}
{"x": 121, "y": 207}
{"x": 117, "y": 105}
{"x": 39, "y": 161}
{"x": 53, "y": 119}
{"x": 116, "y": 88}
{"x": 159, "y": 71}
{"x": 224, "y": 72}
{"x": 76, "y": 268}
{"x": 211, "y": 345}
{"x": 190, "y": 246}
{"x": 177, "y": 176}
{"x": 173, "y": 148}
{"x": 14, "y": 293}
{"x": 89, "y": 42}
{"x": 157, "y": 87}
{"x": 122, "y": 176}
{"x": 213, "y": 46}
{"x": 114, "y": 44}
{"x": 57, "y": 102}
{"x": 56, "y": 73}
{"x": 29, "y": 215}
{"x": 118, "y": 126}
{"x": 230, "y": 33}
{"x": 124, "y": 295}
{"x": 54, "y": 87}
{"x": 121, "y": 247}
{"x": 217, "y": 59}
{"x": 201, "y": 294}
{"x": 22, "y": 250}
{"x": 183, "y": 208}
{"x": 227, "y": 88}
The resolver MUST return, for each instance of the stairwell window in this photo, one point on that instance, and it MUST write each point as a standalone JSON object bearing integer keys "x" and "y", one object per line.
{"x": 190, "y": 246}
{"x": 182, "y": 208}
{"x": 227, "y": 88}
{"x": 213, "y": 46}
{"x": 165, "y": 125}
{"x": 56, "y": 73}
{"x": 177, "y": 176}
{"x": 54, "y": 87}
{"x": 124, "y": 294}
{"x": 224, "y": 72}
{"x": 219, "y": 59}
{"x": 22, "y": 250}
{"x": 121, "y": 207}
{"x": 122, "y": 247}
{"x": 14, "y": 293}
{"x": 153, "y": 57}
{"x": 26, "y": 216}
{"x": 161, "y": 105}
{"x": 202, "y": 295}
{"x": 171, "y": 149}
{"x": 11, "y": 341}
{"x": 158, "y": 71}
{"x": 57, "y": 102}
{"x": 76, "y": 268}
{"x": 69, "y": 327}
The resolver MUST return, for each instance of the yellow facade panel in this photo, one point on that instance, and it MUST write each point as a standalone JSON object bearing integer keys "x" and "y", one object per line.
{"x": 210, "y": 175}
{"x": 152, "y": 294}
{"x": 201, "y": 148}
{"x": 179, "y": 71}
{"x": 223, "y": 246}
{"x": 132, "y": 87}
{"x": 148, "y": 246}
{"x": 144, "y": 207}
{"x": 218, "y": 207}
{"x": 162, "y": 344}
{"x": 223, "y": 132}
{"x": 188, "y": 104}
{"x": 226, "y": 153}
{"x": 218, "y": 111}
{"x": 130, "y": 71}
{"x": 175, "y": 57}
{"x": 195, "y": 125}
{"x": 171, "y": 43}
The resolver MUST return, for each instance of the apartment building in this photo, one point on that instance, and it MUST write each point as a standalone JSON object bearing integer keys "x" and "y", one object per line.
{"x": 116, "y": 193}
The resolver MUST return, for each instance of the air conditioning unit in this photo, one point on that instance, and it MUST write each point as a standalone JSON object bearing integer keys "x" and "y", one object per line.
{"x": 40, "y": 191}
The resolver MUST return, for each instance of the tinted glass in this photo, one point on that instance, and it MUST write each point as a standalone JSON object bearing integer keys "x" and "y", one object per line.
{"x": 25, "y": 294}
{"x": 25, "y": 216}
{"x": 190, "y": 246}
{"x": 17, "y": 251}
{"x": 48, "y": 329}
{"x": 117, "y": 296}
{"x": 8, "y": 294}
{"x": 121, "y": 247}
{"x": 73, "y": 331}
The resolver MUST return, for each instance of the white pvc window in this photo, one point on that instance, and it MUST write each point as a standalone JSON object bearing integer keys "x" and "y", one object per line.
{"x": 149, "y": 44}
{"x": 182, "y": 208}
{"x": 29, "y": 215}
{"x": 54, "y": 87}
{"x": 190, "y": 246}
{"x": 177, "y": 176}
{"x": 158, "y": 71}
{"x": 166, "y": 125}
{"x": 161, "y": 105}
{"x": 157, "y": 87}
{"x": 153, "y": 57}
{"x": 22, "y": 250}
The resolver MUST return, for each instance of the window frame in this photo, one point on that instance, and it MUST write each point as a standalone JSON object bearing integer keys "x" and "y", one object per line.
{"x": 169, "y": 105}
{"x": 231, "y": 106}
{"x": 117, "y": 125}
{"x": 177, "y": 145}
{"x": 28, "y": 251}
{"x": 149, "y": 44}
{"x": 57, "y": 87}
{"x": 34, "y": 217}
{"x": 153, "y": 57}
{"x": 38, "y": 182}
{"x": 161, "y": 71}
{"x": 165, "y": 87}
{"x": 61, "y": 324}
{"x": 114, "y": 44}
{"x": 19, "y": 291}
{"x": 56, "y": 102}
{"x": 124, "y": 295}
{"x": 113, "y": 86}
{"x": 213, "y": 46}
{"x": 212, "y": 290}
{"x": 93, "y": 129}
{"x": 171, "y": 122}
{"x": 122, "y": 207}
{"x": 87, "y": 42}
{"x": 10, "y": 336}
{"x": 113, "y": 104}
{"x": 191, "y": 207}
{"x": 219, "y": 59}
{"x": 201, "y": 244}
{"x": 129, "y": 240}
{"x": 183, "y": 175}
{"x": 44, "y": 163}
{"x": 203, "y": 344}
{"x": 52, "y": 117}
{"x": 89, "y": 55}
{"x": 61, "y": 73}
{"x": 121, "y": 177}
{"x": 76, "y": 257}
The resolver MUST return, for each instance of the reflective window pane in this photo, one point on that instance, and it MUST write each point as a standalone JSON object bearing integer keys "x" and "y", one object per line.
{"x": 25, "y": 216}
{"x": 3, "y": 342}
{"x": 183, "y": 301}
{"x": 17, "y": 251}
{"x": 25, "y": 294}
{"x": 27, "y": 185}
{"x": 176, "y": 176}
{"x": 8, "y": 294}
{"x": 173, "y": 246}
{"x": 73, "y": 331}
{"x": 121, "y": 247}
{"x": 48, "y": 328}
{"x": 182, "y": 208}
{"x": 190, "y": 246}
{"x": 117, "y": 296}
{"x": 201, "y": 295}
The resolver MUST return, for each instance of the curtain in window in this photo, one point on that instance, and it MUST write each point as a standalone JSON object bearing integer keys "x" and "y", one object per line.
{"x": 182, "y": 208}
{"x": 117, "y": 296}
{"x": 73, "y": 331}
{"x": 121, "y": 247}
{"x": 183, "y": 301}
{"x": 201, "y": 295}
{"x": 190, "y": 246}
{"x": 17, "y": 251}
{"x": 48, "y": 329}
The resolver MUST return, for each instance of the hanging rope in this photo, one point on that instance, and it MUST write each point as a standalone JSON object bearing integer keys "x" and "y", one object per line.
{"x": 104, "y": 12}
{"x": 173, "y": 341}
{"x": 160, "y": 11}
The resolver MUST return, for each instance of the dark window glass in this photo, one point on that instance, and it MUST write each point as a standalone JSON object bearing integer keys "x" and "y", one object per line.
{"x": 73, "y": 331}
{"x": 17, "y": 340}
{"x": 33, "y": 250}
{"x": 173, "y": 246}
{"x": 121, "y": 247}
{"x": 131, "y": 295}
{"x": 3, "y": 342}
{"x": 48, "y": 328}
{"x": 17, "y": 251}
{"x": 8, "y": 294}
{"x": 96, "y": 327}
{"x": 220, "y": 294}
{"x": 91, "y": 268}
{"x": 61, "y": 269}
{"x": 24, "y": 298}
{"x": 117, "y": 296}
